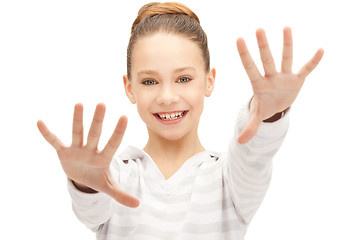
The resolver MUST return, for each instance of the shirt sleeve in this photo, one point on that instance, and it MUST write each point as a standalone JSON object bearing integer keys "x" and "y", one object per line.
{"x": 92, "y": 209}
{"x": 249, "y": 166}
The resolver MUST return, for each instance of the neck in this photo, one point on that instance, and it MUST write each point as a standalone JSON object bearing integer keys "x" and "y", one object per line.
{"x": 177, "y": 151}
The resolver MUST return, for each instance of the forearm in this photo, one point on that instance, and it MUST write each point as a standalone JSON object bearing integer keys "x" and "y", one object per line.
{"x": 249, "y": 167}
{"x": 91, "y": 209}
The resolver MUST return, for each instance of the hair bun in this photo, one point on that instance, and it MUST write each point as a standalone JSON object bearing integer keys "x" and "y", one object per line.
{"x": 172, "y": 18}
{"x": 156, "y": 8}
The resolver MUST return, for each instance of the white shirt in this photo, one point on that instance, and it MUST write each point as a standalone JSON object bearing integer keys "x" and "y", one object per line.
{"x": 212, "y": 196}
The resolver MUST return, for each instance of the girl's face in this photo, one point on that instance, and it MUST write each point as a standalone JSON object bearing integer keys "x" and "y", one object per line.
{"x": 169, "y": 83}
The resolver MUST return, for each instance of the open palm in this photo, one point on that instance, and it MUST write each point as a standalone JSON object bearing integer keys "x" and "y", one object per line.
{"x": 85, "y": 164}
{"x": 275, "y": 91}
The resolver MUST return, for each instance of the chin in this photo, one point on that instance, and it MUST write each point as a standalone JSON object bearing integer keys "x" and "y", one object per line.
{"x": 172, "y": 137}
{"x": 169, "y": 134}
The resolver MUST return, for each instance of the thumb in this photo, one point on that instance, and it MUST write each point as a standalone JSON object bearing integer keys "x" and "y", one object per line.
{"x": 124, "y": 198}
{"x": 250, "y": 130}
{"x": 119, "y": 195}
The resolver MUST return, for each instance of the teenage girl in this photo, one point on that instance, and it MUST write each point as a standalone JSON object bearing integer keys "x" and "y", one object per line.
{"x": 173, "y": 188}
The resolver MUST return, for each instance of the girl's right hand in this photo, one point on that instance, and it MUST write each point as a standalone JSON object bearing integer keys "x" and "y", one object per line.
{"x": 85, "y": 164}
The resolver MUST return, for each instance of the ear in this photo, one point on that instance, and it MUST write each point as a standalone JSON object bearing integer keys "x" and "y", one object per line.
{"x": 210, "y": 82}
{"x": 128, "y": 89}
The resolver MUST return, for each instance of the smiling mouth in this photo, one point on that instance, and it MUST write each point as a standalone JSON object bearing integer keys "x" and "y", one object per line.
{"x": 170, "y": 115}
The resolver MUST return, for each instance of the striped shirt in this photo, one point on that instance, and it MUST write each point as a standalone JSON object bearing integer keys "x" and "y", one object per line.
{"x": 212, "y": 196}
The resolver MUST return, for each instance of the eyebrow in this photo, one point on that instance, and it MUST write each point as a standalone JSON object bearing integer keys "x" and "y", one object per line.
{"x": 151, "y": 72}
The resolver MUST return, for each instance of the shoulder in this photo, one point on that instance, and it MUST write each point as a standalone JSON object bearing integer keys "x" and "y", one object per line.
{"x": 215, "y": 155}
{"x": 215, "y": 158}
{"x": 132, "y": 153}
{"x": 130, "y": 156}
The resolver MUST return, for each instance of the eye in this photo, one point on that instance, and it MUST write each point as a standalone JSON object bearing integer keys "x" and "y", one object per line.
{"x": 183, "y": 79}
{"x": 149, "y": 82}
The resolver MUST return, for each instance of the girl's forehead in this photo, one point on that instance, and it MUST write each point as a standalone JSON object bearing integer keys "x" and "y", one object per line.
{"x": 161, "y": 50}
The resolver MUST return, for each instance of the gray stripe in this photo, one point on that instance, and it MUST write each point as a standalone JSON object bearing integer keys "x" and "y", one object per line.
{"x": 197, "y": 189}
{"x": 210, "y": 187}
{"x": 248, "y": 177}
{"x": 211, "y": 207}
{"x": 255, "y": 162}
{"x": 199, "y": 172}
{"x": 171, "y": 200}
{"x": 141, "y": 229}
{"x": 179, "y": 216}
{"x": 261, "y": 140}
{"x": 210, "y": 169}
{"x": 217, "y": 227}
{"x": 265, "y": 149}
{"x": 180, "y": 198}
{"x": 162, "y": 215}
{"x": 186, "y": 181}
{"x": 238, "y": 184}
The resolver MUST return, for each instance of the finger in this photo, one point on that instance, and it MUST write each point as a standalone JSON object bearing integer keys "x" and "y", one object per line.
{"x": 78, "y": 129}
{"x": 247, "y": 61}
{"x": 96, "y": 127}
{"x": 287, "y": 56}
{"x": 50, "y": 137}
{"x": 250, "y": 130}
{"x": 119, "y": 195}
{"x": 311, "y": 65}
{"x": 265, "y": 53}
{"x": 116, "y": 138}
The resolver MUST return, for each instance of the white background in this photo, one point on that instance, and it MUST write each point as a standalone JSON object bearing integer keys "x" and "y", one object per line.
{"x": 54, "y": 54}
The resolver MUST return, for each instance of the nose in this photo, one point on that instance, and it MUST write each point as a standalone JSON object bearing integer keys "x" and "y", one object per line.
{"x": 167, "y": 95}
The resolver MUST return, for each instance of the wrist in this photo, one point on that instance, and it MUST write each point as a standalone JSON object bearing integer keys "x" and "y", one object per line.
{"x": 273, "y": 118}
{"x": 276, "y": 116}
{"x": 83, "y": 188}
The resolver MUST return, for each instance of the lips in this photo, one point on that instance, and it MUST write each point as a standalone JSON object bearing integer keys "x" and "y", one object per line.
{"x": 170, "y": 116}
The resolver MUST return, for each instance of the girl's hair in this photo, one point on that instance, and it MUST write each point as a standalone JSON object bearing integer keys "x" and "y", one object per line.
{"x": 170, "y": 17}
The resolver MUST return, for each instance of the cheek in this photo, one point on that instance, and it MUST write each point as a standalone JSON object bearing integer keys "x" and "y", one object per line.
{"x": 195, "y": 98}
{"x": 142, "y": 95}
{"x": 143, "y": 102}
{"x": 143, "y": 112}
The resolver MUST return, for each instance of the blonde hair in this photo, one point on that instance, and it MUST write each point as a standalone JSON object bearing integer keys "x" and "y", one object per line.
{"x": 169, "y": 17}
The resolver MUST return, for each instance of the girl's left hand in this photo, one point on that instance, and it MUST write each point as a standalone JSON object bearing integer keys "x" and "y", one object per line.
{"x": 275, "y": 91}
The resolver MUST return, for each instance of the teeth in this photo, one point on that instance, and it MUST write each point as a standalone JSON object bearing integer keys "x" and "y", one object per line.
{"x": 171, "y": 116}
